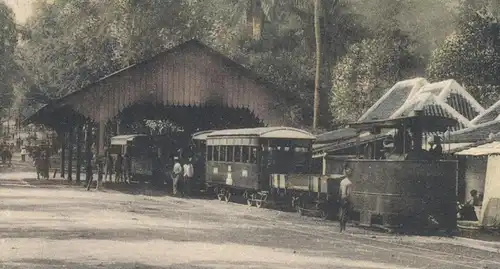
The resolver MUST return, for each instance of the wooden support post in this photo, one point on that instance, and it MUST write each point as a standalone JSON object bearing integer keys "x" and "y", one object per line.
{"x": 79, "y": 130}
{"x": 63, "y": 153}
{"x": 118, "y": 127}
{"x": 102, "y": 126}
{"x": 70, "y": 154}
{"x": 88, "y": 150}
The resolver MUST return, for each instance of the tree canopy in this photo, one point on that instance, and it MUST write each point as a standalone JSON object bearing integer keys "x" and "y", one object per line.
{"x": 8, "y": 41}
{"x": 368, "y": 69}
{"x": 366, "y": 46}
{"x": 471, "y": 54}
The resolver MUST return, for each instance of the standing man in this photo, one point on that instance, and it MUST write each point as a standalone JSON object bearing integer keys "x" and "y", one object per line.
{"x": 127, "y": 168}
{"x": 46, "y": 165}
{"x": 119, "y": 168}
{"x": 176, "y": 174}
{"x": 345, "y": 197}
{"x": 188, "y": 176}
{"x": 109, "y": 166}
{"x": 99, "y": 164}
{"x": 23, "y": 154}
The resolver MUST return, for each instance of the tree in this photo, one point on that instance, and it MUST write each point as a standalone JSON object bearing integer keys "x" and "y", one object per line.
{"x": 71, "y": 43}
{"x": 366, "y": 71}
{"x": 8, "y": 41}
{"x": 317, "y": 34}
{"x": 471, "y": 55}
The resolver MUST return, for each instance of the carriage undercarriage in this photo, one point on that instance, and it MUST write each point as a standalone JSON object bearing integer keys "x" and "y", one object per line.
{"x": 302, "y": 202}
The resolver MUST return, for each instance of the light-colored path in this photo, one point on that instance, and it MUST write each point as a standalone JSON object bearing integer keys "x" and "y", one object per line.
{"x": 71, "y": 228}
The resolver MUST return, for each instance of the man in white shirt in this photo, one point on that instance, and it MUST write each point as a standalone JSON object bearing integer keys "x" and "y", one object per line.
{"x": 345, "y": 197}
{"x": 188, "y": 176}
{"x": 176, "y": 174}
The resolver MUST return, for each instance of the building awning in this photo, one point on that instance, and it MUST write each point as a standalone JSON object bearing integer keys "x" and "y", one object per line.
{"x": 481, "y": 150}
{"x": 451, "y": 147}
{"x": 320, "y": 150}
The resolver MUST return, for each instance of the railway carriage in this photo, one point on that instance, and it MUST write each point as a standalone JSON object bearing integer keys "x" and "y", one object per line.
{"x": 258, "y": 163}
{"x": 140, "y": 148}
{"x": 198, "y": 145}
{"x": 320, "y": 196}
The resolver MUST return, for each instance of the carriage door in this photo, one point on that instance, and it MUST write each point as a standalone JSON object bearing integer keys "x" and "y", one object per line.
{"x": 265, "y": 163}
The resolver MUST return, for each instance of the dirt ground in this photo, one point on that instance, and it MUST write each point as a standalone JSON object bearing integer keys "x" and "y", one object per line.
{"x": 51, "y": 226}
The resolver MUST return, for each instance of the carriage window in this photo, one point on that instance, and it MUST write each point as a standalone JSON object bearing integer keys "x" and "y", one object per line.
{"x": 237, "y": 154}
{"x": 253, "y": 155}
{"x": 222, "y": 153}
{"x": 229, "y": 154}
{"x": 216, "y": 153}
{"x": 300, "y": 149}
{"x": 245, "y": 154}
{"x": 210, "y": 150}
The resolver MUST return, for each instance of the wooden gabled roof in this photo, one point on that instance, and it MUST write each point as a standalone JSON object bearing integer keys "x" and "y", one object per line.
{"x": 191, "y": 74}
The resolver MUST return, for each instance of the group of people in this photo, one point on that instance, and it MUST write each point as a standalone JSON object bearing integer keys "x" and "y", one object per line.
{"x": 182, "y": 177}
{"x": 467, "y": 210}
{"x": 41, "y": 161}
{"x": 6, "y": 152}
{"x": 121, "y": 167}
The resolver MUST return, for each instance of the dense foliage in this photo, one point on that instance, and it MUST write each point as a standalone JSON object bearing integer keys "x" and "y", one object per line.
{"x": 471, "y": 55}
{"x": 366, "y": 71}
{"x": 8, "y": 41}
{"x": 366, "y": 46}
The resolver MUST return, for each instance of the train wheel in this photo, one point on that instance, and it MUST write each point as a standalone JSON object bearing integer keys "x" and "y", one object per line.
{"x": 227, "y": 197}
{"x": 299, "y": 211}
{"x": 324, "y": 215}
{"x": 217, "y": 193}
{"x": 258, "y": 204}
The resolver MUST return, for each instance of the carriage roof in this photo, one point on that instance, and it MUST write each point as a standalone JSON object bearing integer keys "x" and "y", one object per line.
{"x": 123, "y": 139}
{"x": 202, "y": 135}
{"x": 428, "y": 123}
{"x": 264, "y": 132}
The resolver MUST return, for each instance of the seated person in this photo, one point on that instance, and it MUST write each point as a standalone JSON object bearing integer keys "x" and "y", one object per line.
{"x": 436, "y": 148}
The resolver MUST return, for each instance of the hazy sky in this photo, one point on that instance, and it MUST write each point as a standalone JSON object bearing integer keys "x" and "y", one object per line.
{"x": 22, "y": 8}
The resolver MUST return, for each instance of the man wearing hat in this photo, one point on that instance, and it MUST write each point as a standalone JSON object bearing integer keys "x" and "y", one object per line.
{"x": 188, "y": 176}
{"x": 176, "y": 174}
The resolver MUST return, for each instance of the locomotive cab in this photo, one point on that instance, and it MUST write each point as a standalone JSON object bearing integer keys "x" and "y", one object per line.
{"x": 404, "y": 137}
{"x": 409, "y": 188}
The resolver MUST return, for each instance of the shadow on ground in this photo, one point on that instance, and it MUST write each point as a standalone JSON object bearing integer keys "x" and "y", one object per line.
{"x": 92, "y": 264}
{"x": 46, "y": 264}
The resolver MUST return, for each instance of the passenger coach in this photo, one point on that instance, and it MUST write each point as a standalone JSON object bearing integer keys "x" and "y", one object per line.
{"x": 247, "y": 161}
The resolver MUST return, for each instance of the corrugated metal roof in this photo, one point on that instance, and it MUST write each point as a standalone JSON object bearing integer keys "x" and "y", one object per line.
{"x": 393, "y": 99}
{"x": 266, "y": 132}
{"x": 490, "y": 114}
{"x": 432, "y": 123}
{"x": 352, "y": 142}
{"x": 475, "y": 133}
{"x": 452, "y": 147}
{"x": 486, "y": 149}
{"x": 344, "y": 133}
